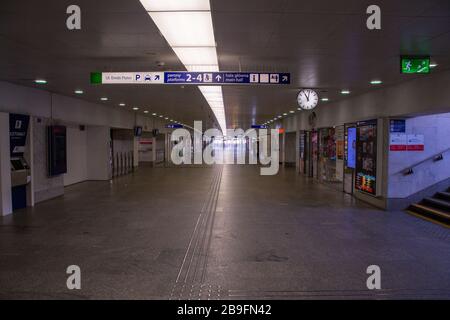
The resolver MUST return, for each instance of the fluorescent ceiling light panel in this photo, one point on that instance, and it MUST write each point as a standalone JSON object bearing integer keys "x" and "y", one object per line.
{"x": 185, "y": 29}
{"x": 176, "y": 5}
{"x": 191, "y": 56}
{"x": 201, "y": 68}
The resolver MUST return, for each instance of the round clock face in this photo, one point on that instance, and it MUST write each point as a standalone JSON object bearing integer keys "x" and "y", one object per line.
{"x": 307, "y": 99}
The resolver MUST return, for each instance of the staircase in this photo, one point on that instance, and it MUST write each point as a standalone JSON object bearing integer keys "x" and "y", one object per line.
{"x": 436, "y": 208}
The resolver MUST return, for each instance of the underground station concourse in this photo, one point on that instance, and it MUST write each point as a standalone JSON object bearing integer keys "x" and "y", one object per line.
{"x": 225, "y": 150}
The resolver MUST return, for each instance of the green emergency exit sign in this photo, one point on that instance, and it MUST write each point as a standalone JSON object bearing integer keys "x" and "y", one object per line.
{"x": 96, "y": 77}
{"x": 415, "y": 64}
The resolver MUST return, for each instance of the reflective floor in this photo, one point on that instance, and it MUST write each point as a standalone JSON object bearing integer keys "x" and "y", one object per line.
{"x": 218, "y": 232}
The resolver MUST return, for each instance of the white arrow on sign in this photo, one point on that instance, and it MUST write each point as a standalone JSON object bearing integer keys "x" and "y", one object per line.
{"x": 218, "y": 77}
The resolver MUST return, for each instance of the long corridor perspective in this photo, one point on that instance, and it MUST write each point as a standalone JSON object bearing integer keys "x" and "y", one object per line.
{"x": 225, "y": 158}
{"x": 219, "y": 232}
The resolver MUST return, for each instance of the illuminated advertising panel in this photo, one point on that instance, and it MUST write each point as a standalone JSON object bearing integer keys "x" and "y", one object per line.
{"x": 366, "y": 157}
{"x": 351, "y": 147}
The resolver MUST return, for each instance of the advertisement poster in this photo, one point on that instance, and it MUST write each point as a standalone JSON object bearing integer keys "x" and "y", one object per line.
{"x": 366, "y": 156}
{"x": 340, "y": 145}
{"x": 351, "y": 147}
{"x": 18, "y": 128}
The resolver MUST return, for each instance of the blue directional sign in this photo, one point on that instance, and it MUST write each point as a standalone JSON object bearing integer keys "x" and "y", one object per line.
{"x": 174, "y": 126}
{"x": 222, "y": 78}
{"x": 259, "y": 127}
{"x": 194, "y": 78}
{"x": 398, "y": 125}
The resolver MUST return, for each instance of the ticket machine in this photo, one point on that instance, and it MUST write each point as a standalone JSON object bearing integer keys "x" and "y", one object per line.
{"x": 20, "y": 177}
{"x": 20, "y": 170}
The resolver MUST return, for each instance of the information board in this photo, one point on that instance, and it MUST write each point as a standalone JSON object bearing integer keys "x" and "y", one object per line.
{"x": 397, "y": 126}
{"x": 191, "y": 78}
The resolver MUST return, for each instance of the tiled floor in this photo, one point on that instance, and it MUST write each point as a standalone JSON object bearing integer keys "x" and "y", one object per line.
{"x": 218, "y": 232}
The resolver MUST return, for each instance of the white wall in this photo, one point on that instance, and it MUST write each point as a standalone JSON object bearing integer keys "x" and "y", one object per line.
{"x": 422, "y": 95}
{"x": 76, "y": 156}
{"x": 436, "y": 131}
{"x": 25, "y": 100}
{"x": 98, "y": 150}
{"x": 71, "y": 112}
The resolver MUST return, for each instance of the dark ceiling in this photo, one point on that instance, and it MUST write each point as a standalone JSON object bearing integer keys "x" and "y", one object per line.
{"x": 324, "y": 44}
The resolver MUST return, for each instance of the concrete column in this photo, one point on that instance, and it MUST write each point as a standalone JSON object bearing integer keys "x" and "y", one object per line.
{"x": 167, "y": 148}
{"x": 136, "y": 151}
{"x": 98, "y": 153}
{"x": 297, "y": 151}
{"x": 154, "y": 151}
{"x": 5, "y": 166}
{"x": 29, "y": 157}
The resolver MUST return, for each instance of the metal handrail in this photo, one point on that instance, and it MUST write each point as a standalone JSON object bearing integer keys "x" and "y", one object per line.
{"x": 436, "y": 157}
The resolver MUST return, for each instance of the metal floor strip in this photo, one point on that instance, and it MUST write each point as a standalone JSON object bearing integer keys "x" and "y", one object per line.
{"x": 191, "y": 276}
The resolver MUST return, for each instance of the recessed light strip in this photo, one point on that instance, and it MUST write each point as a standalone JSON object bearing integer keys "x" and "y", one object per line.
{"x": 187, "y": 27}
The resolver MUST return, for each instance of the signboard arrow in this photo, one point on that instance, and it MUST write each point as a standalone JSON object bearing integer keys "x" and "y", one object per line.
{"x": 191, "y": 78}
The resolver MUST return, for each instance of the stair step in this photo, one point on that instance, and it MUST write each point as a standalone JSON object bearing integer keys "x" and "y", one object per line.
{"x": 438, "y": 203}
{"x": 443, "y": 195}
{"x": 431, "y": 213}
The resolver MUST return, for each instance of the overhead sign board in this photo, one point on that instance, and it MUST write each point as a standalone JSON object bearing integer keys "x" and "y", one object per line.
{"x": 174, "y": 126}
{"x": 259, "y": 127}
{"x": 415, "y": 64}
{"x": 194, "y": 78}
{"x": 127, "y": 77}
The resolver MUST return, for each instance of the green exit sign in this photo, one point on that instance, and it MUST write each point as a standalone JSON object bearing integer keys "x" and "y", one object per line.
{"x": 415, "y": 64}
{"x": 96, "y": 77}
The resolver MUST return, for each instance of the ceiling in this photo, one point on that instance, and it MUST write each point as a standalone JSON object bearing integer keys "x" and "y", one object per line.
{"x": 324, "y": 44}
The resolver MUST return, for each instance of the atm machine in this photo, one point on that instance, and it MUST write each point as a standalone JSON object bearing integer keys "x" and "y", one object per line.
{"x": 20, "y": 177}
{"x": 20, "y": 170}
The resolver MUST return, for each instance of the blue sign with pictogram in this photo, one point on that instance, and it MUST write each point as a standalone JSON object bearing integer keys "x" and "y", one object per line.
{"x": 174, "y": 126}
{"x": 221, "y": 78}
